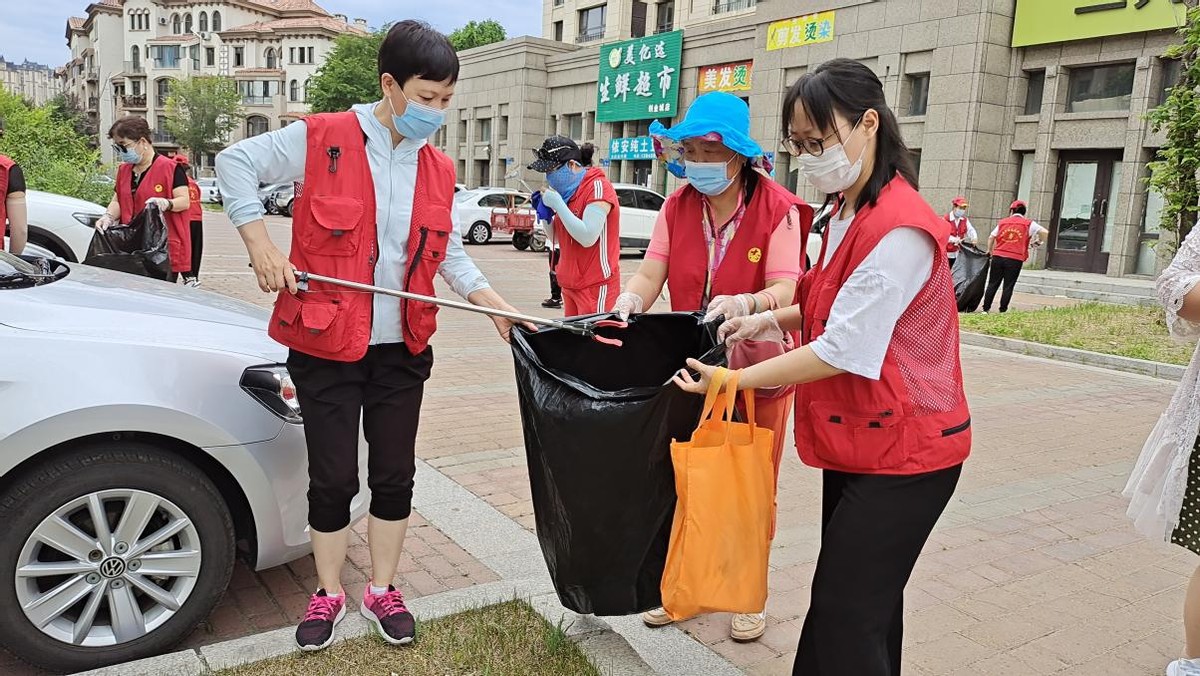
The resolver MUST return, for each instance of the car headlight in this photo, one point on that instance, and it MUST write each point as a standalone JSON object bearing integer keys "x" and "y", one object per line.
{"x": 87, "y": 219}
{"x": 272, "y": 386}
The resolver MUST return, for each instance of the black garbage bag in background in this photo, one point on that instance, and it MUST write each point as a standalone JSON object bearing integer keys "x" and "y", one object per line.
{"x": 598, "y": 423}
{"x": 139, "y": 248}
{"x": 970, "y": 273}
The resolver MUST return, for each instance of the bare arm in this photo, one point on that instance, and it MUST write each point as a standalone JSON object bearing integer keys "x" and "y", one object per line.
{"x": 648, "y": 281}
{"x": 181, "y": 199}
{"x": 18, "y": 222}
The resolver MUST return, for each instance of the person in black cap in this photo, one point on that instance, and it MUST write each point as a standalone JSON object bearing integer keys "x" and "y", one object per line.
{"x": 586, "y": 225}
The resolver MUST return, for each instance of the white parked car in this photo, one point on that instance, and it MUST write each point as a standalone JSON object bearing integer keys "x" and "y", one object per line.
{"x": 60, "y": 226}
{"x": 475, "y": 210}
{"x": 639, "y": 210}
{"x": 209, "y": 192}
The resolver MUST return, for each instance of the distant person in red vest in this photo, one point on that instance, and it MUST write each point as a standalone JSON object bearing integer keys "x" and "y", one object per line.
{"x": 195, "y": 223}
{"x": 880, "y": 407}
{"x": 586, "y": 227}
{"x": 961, "y": 229}
{"x": 377, "y": 207}
{"x": 14, "y": 215}
{"x": 1009, "y": 245}
{"x": 145, "y": 177}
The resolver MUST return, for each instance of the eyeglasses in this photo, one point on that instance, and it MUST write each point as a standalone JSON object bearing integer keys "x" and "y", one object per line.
{"x": 118, "y": 148}
{"x": 814, "y": 147}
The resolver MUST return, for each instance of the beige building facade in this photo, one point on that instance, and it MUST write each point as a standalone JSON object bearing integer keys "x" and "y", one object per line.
{"x": 996, "y": 99}
{"x": 32, "y": 81}
{"x": 124, "y": 54}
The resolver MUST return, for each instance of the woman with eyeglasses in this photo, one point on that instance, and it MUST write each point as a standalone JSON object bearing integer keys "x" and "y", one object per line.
{"x": 147, "y": 178}
{"x": 729, "y": 243}
{"x": 880, "y": 407}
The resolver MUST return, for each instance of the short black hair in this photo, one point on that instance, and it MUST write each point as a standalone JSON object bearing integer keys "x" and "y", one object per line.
{"x": 414, "y": 49}
{"x": 1019, "y": 210}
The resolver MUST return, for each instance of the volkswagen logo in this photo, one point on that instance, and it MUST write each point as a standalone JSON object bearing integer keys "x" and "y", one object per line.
{"x": 112, "y": 567}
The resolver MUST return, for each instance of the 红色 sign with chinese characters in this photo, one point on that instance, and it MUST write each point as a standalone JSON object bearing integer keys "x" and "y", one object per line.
{"x": 1039, "y": 22}
{"x": 801, "y": 31}
{"x": 636, "y": 148}
{"x": 727, "y": 77}
{"x": 639, "y": 79}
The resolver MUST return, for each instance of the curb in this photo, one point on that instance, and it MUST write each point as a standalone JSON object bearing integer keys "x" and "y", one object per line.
{"x": 1144, "y": 367}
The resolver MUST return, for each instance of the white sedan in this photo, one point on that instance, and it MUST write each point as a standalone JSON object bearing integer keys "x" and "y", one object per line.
{"x": 475, "y": 211}
{"x": 60, "y": 226}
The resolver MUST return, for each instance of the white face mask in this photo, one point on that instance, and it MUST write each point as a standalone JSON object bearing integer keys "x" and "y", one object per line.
{"x": 832, "y": 172}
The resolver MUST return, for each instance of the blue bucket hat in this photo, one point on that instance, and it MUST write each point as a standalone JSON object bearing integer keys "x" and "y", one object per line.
{"x": 716, "y": 116}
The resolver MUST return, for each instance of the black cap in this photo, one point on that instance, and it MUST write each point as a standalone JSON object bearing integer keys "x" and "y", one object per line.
{"x": 555, "y": 152}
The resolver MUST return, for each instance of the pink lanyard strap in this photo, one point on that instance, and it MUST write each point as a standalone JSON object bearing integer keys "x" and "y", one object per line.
{"x": 718, "y": 242}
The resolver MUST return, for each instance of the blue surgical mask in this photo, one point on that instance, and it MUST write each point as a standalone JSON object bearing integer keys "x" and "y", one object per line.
{"x": 960, "y": 213}
{"x": 709, "y": 177}
{"x": 129, "y": 156}
{"x": 418, "y": 121}
{"x": 565, "y": 181}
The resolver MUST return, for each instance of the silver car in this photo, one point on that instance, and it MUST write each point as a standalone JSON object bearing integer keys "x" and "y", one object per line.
{"x": 148, "y": 434}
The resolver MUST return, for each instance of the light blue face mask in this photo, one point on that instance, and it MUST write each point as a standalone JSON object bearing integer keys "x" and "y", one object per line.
{"x": 565, "y": 181}
{"x": 129, "y": 156}
{"x": 708, "y": 177}
{"x": 418, "y": 121}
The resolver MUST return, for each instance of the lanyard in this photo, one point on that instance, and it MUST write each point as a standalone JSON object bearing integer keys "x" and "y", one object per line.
{"x": 718, "y": 241}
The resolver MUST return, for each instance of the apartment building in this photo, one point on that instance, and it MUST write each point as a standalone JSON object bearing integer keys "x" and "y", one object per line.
{"x": 1031, "y": 99}
{"x": 125, "y": 53}
{"x": 32, "y": 81}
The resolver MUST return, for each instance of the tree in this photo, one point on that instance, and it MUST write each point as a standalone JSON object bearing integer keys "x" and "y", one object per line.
{"x": 66, "y": 107}
{"x": 202, "y": 111}
{"x": 349, "y": 75}
{"x": 53, "y": 155}
{"x": 1174, "y": 172}
{"x": 477, "y": 34}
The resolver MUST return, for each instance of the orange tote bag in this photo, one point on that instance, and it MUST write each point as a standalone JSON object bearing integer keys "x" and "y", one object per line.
{"x": 721, "y": 533}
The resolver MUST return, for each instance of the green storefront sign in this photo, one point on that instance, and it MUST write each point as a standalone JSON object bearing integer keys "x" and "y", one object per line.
{"x": 639, "y": 79}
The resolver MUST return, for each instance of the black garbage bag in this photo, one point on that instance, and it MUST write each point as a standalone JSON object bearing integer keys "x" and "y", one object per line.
{"x": 139, "y": 248}
{"x": 598, "y": 423}
{"x": 970, "y": 273}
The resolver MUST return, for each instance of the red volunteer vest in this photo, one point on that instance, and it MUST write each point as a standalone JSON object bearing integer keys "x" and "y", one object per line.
{"x": 196, "y": 211}
{"x": 582, "y": 267}
{"x": 334, "y": 234}
{"x": 1012, "y": 238}
{"x": 914, "y": 419}
{"x": 5, "y": 165}
{"x": 958, "y": 228}
{"x": 157, "y": 182}
{"x": 743, "y": 269}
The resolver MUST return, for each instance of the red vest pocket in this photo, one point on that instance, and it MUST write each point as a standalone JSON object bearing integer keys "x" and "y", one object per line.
{"x": 856, "y": 440}
{"x": 339, "y": 234}
{"x": 317, "y": 323}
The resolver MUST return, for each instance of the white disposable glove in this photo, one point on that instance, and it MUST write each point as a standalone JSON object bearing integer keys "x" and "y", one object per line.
{"x": 105, "y": 222}
{"x": 729, "y": 307}
{"x": 627, "y": 304}
{"x": 955, "y": 240}
{"x": 1034, "y": 242}
{"x": 762, "y": 326}
{"x": 163, "y": 204}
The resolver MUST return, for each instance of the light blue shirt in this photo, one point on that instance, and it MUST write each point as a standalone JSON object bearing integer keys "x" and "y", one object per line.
{"x": 279, "y": 156}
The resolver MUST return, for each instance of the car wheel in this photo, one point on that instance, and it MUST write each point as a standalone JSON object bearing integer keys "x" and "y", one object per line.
{"x": 287, "y": 211}
{"x": 538, "y": 241}
{"x": 521, "y": 240}
{"x": 113, "y": 553}
{"x": 480, "y": 233}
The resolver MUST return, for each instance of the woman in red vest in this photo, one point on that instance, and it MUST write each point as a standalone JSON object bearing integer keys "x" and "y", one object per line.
{"x": 879, "y": 401}
{"x": 586, "y": 225}
{"x": 146, "y": 177}
{"x": 14, "y": 214}
{"x": 961, "y": 229}
{"x": 195, "y": 217}
{"x": 1009, "y": 246}
{"x": 377, "y": 208}
{"x": 729, "y": 243}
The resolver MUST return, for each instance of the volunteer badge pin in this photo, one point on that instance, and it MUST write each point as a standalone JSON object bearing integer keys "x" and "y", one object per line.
{"x": 158, "y": 187}
{"x": 754, "y": 255}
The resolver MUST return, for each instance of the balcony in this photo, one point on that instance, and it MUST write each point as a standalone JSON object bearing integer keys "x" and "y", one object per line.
{"x": 163, "y": 137}
{"x": 92, "y": 76}
{"x": 134, "y": 101}
{"x": 258, "y": 100}
{"x": 591, "y": 35}
{"x": 93, "y": 102}
{"x": 167, "y": 64}
{"x": 732, "y": 6}
{"x": 134, "y": 68}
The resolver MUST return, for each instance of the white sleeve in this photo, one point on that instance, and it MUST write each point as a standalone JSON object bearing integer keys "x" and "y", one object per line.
{"x": 972, "y": 236}
{"x": 459, "y": 270}
{"x": 995, "y": 231}
{"x": 867, "y": 307}
{"x": 275, "y": 157}
{"x": 1176, "y": 282}
{"x": 1035, "y": 229}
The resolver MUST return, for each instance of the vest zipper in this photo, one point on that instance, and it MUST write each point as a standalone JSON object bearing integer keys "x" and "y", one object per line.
{"x": 334, "y": 153}
{"x": 951, "y": 431}
{"x": 412, "y": 269}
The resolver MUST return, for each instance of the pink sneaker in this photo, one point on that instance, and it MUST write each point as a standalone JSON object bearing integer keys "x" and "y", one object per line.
{"x": 389, "y": 615}
{"x": 316, "y": 629}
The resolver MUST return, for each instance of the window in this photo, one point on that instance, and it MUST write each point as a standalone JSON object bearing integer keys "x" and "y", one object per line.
{"x": 503, "y": 132}
{"x": 271, "y": 58}
{"x": 591, "y": 23}
{"x": 176, "y": 24}
{"x": 590, "y": 127}
{"x": 135, "y": 58}
{"x": 1171, "y": 71}
{"x": 666, "y": 17}
{"x": 255, "y": 125}
{"x": 187, "y": 23}
{"x": 294, "y": 91}
{"x": 574, "y": 124}
{"x": 291, "y": 55}
{"x": 133, "y": 21}
{"x": 166, "y": 56}
{"x": 239, "y": 57}
{"x": 216, "y": 22}
{"x": 210, "y": 56}
{"x": 203, "y": 22}
{"x": 310, "y": 56}
{"x": 918, "y": 94}
{"x": 558, "y": 3}
{"x": 485, "y": 130}
{"x": 163, "y": 91}
{"x": 304, "y": 94}
{"x": 462, "y": 127}
{"x": 1147, "y": 260}
{"x": 649, "y": 201}
{"x": 627, "y": 198}
{"x": 637, "y": 26}
{"x": 723, "y": 6}
{"x": 1025, "y": 177}
{"x": 1100, "y": 88}
{"x": 136, "y": 89}
{"x": 494, "y": 201}
{"x": 1033, "y": 92}
{"x": 558, "y": 31}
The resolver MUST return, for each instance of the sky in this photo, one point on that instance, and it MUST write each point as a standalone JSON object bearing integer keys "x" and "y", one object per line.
{"x": 37, "y": 31}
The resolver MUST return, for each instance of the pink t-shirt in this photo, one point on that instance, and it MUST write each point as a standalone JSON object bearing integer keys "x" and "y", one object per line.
{"x": 783, "y": 249}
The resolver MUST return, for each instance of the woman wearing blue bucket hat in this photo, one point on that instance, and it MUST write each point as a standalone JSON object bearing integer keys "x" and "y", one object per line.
{"x": 730, "y": 243}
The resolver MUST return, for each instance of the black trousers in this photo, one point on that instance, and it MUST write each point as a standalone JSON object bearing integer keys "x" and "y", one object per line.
{"x": 872, "y": 530}
{"x": 1005, "y": 270}
{"x": 555, "y": 289}
{"x": 197, "y": 247}
{"x": 384, "y": 389}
